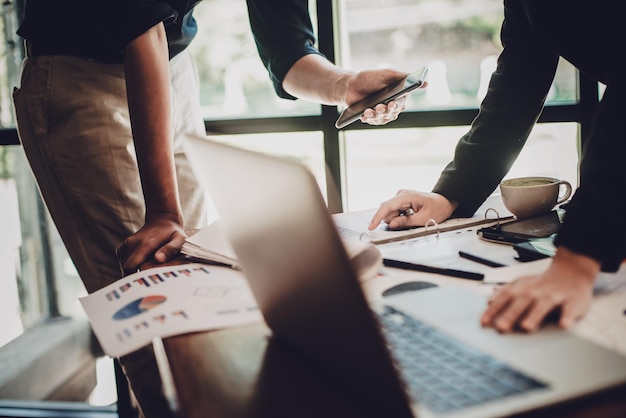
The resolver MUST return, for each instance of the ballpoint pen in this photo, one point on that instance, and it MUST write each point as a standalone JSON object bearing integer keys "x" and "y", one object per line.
{"x": 470, "y": 275}
{"x": 480, "y": 260}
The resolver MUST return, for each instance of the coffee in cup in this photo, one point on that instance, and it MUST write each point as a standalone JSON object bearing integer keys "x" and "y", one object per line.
{"x": 530, "y": 196}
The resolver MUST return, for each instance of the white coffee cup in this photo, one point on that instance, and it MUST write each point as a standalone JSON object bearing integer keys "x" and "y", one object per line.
{"x": 529, "y": 196}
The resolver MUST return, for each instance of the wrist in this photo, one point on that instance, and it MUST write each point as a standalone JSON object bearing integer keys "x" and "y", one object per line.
{"x": 584, "y": 265}
{"x": 342, "y": 87}
{"x": 167, "y": 215}
{"x": 449, "y": 204}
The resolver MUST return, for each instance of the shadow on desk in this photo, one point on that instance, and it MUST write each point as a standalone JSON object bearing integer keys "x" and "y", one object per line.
{"x": 246, "y": 372}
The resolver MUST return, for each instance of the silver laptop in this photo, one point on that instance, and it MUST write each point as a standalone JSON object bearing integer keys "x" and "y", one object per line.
{"x": 291, "y": 253}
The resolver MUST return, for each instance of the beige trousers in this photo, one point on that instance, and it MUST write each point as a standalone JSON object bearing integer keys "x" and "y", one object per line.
{"x": 74, "y": 126}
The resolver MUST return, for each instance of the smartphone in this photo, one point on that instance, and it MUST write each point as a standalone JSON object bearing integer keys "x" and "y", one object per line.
{"x": 522, "y": 230}
{"x": 535, "y": 249}
{"x": 385, "y": 95}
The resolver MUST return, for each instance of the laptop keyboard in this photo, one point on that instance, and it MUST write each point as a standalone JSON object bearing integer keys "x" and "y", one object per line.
{"x": 445, "y": 374}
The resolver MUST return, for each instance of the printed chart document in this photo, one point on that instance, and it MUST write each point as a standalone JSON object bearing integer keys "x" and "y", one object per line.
{"x": 166, "y": 301}
{"x": 353, "y": 225}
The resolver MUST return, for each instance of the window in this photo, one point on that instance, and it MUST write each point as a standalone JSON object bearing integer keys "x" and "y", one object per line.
{"x": 45, "y": 339}
{"x": 234, "y": 82}
{"x": 378, "y": 164}
{"x": 457, "y": 39}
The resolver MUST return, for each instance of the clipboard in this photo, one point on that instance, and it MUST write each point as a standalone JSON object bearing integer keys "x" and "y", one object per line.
{"x": 353, "y": 225}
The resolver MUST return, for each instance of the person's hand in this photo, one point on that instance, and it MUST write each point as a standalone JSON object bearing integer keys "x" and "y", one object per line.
{"x": 157, "y": 242}
{"x": 565, "y": 288}
{"x": 366, "y": 82}
{"x": 384, "y": 113}
{"x": 425, "y": 207}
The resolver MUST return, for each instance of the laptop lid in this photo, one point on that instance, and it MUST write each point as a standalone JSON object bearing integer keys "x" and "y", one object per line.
{"x": 291, "y": 253}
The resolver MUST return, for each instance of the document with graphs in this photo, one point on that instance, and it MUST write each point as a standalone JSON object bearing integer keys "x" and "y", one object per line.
{"x": 165, "y": 301}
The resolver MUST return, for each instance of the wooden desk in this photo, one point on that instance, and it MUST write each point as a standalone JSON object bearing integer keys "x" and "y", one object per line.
{"x": 244, "y": 372}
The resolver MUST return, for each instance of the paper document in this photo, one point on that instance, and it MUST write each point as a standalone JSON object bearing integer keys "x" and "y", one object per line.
{"x": 605, "y": 282}
{"x": 166, "y": 301}
{"x": 443, "y": 251}
{"x": 210, "y": 244}
{"x": 510, "y": 273}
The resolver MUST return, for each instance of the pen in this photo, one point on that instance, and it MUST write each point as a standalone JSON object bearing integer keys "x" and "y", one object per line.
{"x": 480, "y": 260}
{"x": 430, "y": 269}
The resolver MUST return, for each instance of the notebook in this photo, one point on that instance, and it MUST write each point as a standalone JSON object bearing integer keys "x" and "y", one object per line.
{"x": 291, "y": 253}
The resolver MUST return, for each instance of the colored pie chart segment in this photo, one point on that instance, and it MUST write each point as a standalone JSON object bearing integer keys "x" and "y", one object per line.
{"x": 139, "y": 306}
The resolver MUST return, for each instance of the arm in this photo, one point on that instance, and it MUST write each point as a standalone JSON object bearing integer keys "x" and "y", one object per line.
{"x": 506, "y": 117}
{"x": 285, "y": 41}
{"x": 316, "y": 79}
{"x": 514, "y": 101}
{"x": 591, "y": 238}
{"x": 147, "y": 82}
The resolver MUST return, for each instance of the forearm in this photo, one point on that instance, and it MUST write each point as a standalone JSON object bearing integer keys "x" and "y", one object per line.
{"x": 593, "y": 224}
{"x": 585, "y": 266}
{"x": 148, "y": 91}
{"x": 316, "y": 79}
{"x": 507, "y": 115}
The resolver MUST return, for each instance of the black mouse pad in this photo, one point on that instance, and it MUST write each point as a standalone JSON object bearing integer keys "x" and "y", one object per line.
{"x": 407, "y": 287}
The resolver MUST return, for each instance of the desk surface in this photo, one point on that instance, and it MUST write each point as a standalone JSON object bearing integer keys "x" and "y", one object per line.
{"x": 245, "y": 372}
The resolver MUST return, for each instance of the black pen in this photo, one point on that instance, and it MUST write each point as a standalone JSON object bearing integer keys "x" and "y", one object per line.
{"x": 430, "y": 269}
{"x": 480, "y": 260}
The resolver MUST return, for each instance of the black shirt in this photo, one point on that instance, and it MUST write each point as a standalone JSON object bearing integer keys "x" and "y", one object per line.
{"x": 102, "y": 29}
{"x": 535, "y": 35}
{"x": 283, "y": 34}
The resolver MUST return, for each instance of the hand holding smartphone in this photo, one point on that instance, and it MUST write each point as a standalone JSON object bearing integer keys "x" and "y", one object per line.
{"x": 384, "y": 96}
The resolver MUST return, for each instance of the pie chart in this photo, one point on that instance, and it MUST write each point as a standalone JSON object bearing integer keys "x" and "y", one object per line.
{"x": 139, "y": 306}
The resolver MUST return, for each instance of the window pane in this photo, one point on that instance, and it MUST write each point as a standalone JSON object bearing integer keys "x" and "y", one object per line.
{"x": 305, "y": 147}
{"x": 42, "y": 319}
{"x": 10, "y": 64}
{"x": 233, "y": 81}
{"x": 379, "y": 163}
{"x": 457, "y": 39}
{"x": 45, "y": 341}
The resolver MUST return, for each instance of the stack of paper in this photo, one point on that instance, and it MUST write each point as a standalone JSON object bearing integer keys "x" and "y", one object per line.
{"x": 211, "y": 245}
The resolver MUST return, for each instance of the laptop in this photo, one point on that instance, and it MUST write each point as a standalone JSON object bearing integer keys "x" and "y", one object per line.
{"x": 293, "y": 257}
